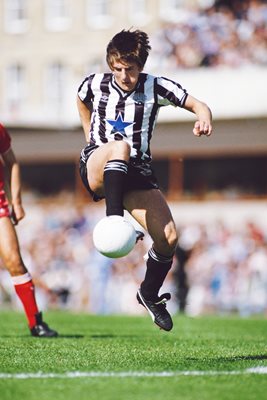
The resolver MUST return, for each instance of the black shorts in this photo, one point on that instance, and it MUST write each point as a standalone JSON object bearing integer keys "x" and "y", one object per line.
{"x": 140, "y": 175}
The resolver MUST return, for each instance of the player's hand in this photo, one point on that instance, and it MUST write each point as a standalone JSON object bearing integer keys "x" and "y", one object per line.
{"x": 202, "y": 128}
{"x": 17, "y": 213}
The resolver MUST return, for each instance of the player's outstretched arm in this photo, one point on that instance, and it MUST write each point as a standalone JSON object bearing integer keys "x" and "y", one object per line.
{"x": 85, "y": 116}
{"x": 203, "y": 125}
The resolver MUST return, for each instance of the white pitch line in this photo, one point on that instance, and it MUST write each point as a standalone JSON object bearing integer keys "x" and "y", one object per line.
{"x": 130, "y": 374}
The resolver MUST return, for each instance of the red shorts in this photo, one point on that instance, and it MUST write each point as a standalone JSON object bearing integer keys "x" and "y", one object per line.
{"x": 4, "y": 209}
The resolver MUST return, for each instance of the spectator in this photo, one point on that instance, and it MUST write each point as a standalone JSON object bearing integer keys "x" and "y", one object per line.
{"x": 218, "y": 33}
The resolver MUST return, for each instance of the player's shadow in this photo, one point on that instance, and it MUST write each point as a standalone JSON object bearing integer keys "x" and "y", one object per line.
{"x": 235, "y": 358}
{"x": 243, "y": 358}
{"x": 110, "y": 336}
{"x": 73, "y": 336}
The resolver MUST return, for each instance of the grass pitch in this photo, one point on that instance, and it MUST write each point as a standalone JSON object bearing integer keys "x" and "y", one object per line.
{"x": 122, "y": 357}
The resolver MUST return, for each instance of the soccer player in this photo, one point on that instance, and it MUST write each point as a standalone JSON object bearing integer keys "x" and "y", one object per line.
{"x": 9, "y": 245}
{"x": 118, "y": 112}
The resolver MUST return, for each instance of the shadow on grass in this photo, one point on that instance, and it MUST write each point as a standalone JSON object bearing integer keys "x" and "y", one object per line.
{"x": 243, "y": 358}
{"x": 71, "y": 336}
{"x": 233, "y": 359}
{"x": 43, "y": 338}
{"x": 111, "y": 336}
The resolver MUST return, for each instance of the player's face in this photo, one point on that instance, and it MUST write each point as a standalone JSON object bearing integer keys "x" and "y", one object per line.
{"x": 126, "y": 74}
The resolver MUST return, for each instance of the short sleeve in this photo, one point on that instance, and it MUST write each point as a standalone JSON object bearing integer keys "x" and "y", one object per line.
{"x": 170, "y": 93}
{"x": 5, "y": 140}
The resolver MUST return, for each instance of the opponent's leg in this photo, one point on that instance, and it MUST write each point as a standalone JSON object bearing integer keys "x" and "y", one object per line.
{"x": 21, "y": 278}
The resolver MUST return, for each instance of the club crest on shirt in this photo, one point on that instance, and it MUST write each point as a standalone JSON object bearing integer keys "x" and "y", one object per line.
{"x": 119, "y": 125}
{"x": 139, "y": 97}
{"x": 104, "y": 99}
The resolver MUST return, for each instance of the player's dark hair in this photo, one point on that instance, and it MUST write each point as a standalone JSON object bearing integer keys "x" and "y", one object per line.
{"x": 128, "y": 46}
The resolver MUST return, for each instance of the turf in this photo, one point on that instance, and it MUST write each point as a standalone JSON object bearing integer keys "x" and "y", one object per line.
{"x": 223, "y": 349}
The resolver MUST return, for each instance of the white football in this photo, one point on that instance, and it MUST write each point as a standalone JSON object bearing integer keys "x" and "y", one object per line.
{"x": 114, "y": 236}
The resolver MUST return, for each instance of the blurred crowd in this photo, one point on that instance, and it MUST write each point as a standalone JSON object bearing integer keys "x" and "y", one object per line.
{"x": 222, "y": 269}
{"x": 217, "y": 269}
{"x": 213, "y": 33}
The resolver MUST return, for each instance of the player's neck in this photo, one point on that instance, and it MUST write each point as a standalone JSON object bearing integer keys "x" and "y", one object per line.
{"x": 121, "y": 89}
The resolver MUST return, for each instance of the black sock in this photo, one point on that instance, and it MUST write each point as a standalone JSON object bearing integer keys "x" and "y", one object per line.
{"x": 114, "y": 174}
{"x": 158, "y": 267}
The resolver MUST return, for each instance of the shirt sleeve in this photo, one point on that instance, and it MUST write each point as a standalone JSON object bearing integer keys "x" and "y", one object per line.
{"x": 170, "y": 93}
{"x": 85, "y": 92}
{"x": 5, "y": 140}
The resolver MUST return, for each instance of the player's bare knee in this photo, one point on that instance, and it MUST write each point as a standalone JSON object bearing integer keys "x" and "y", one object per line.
{"x": 120, "y": 150}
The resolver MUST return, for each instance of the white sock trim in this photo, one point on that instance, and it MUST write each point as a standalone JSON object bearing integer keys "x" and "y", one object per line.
{"x": 158, "y": 257}
{"x": 21, "y": 279}
{"x": 116, "y": 165}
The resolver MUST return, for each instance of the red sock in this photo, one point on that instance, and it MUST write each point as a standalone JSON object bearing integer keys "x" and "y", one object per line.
{"x": 25, "y": 290}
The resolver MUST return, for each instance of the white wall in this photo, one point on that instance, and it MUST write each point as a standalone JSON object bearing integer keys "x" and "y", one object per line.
{"x": 230, "y": 93}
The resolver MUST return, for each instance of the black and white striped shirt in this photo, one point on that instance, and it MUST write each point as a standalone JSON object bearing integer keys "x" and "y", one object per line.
{"x": 130, "y": 116}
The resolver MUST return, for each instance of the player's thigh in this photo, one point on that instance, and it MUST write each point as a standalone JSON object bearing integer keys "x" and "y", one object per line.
{"x": 98, "y": 159}
{"x": 151, "y": 210}
{"x": 95, "y": 167}
{"x": 9, "y": 246}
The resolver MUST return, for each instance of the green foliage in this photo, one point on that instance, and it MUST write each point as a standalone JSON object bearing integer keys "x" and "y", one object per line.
{"x": 228, "y": 346}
